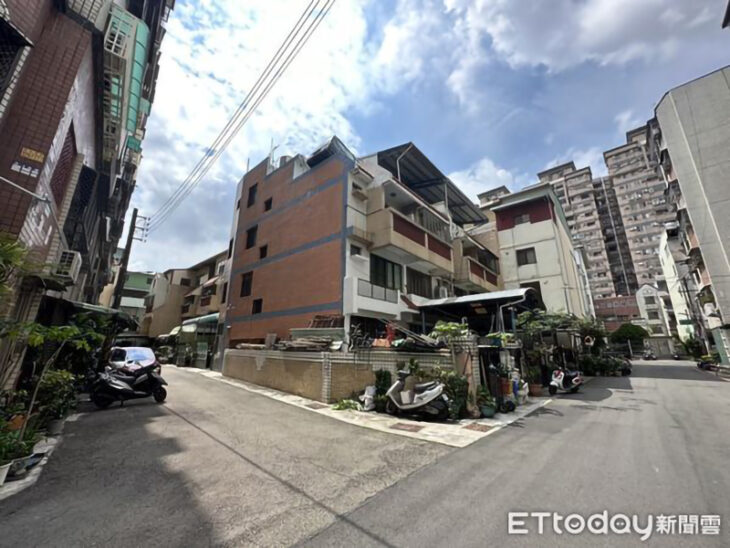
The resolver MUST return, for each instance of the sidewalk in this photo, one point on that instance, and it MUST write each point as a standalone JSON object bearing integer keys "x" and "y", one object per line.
{"x": 454, "y": 434}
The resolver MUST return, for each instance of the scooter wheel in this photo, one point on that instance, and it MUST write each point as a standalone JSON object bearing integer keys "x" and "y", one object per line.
{"x": 391, "y": 408}
{"x": 574, "y": 389}
{"x": 160, "y": 394}
{"x": 552, "y": 390}
{"x": 100, "y": 402}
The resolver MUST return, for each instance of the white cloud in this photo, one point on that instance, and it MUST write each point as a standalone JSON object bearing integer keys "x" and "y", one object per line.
{"x": 626, "y": 120}
{"x": 212, "y": 54}
{"x": 591, "y": 157}
{"x": 485, "y": 175}
{"x": 559, "y": 34}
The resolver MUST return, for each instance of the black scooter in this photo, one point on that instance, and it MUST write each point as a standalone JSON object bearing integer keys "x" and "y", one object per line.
{"x": 144, "y": 382}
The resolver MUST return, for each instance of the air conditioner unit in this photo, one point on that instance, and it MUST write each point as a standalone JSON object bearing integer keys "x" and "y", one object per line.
{"x": 68, "y": 267}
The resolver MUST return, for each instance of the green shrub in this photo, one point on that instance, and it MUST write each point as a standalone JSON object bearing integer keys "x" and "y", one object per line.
{"x": 56, "y": 394}
{"x": 346, "y": 404}
{"x": 589, "y": 364}
{"x": 455, "y": 386}
{"x": 383, "y": 382}
{"x": 629, "y": 332}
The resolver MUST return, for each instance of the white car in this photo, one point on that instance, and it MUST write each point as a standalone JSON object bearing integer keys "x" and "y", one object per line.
{"x": 129, "y": 358}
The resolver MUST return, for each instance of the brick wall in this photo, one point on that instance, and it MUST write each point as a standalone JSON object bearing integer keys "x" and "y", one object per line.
{"x": 302, "y": 272}
{"x": 37, "y": 108}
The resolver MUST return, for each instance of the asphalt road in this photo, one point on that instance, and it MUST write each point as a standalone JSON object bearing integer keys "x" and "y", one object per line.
{"x": 214, "y": 466}
{"x": 656, "y": 442}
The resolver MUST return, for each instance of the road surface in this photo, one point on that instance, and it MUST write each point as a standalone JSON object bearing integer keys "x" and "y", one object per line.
{"x": 656, "y": 442}
{"x": 214, "y": 466}
{"x": 219, "y": 466}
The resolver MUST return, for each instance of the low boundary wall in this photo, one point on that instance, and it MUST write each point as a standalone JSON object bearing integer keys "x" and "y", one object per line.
{"x": 322, "y": 376}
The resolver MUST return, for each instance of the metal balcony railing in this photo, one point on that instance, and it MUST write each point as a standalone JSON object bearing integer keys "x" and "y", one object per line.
{"x": 366, "y": 289}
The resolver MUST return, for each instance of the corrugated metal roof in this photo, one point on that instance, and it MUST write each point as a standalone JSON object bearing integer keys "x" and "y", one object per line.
{"x": 419, "y": 174}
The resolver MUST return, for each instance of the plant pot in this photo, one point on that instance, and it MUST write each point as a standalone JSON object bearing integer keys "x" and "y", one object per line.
{"x": 535, "y": 390}
{"x": 17, "y": 468}
{"x": 55, "y": 427}
{"x": 488, "y": 411}
{"x": 4, "y": 472}
{"x": 506, "y": 386}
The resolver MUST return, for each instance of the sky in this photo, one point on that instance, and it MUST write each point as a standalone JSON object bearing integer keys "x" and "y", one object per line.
{"x": 492, "y": 91}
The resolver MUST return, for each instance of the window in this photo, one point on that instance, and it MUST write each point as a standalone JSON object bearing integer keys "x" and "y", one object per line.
{"x": 149, "y": 281}
{"x": 221, "y": 268}
{"x": 384, "y": 273}
{"x": 526, "y": 256}
{"x": 653, "y": 314}
{"x": 185, "y": 281}
{"x": 268, "y": 204}
{"x": 257, "y": 307}
{"x": 230, "y": 248}
{"x": 656, "y": 329}
{"x": 246, "y": 284}
{"x": 252, "y": 195}
{"x": 418, "y": 283}
{"x": 355, "y": 250}
{"x": 238, "y": 204}
{"x": 522, "y": 219}
{"x": 263, "y": 251}
{"x": 224, "y": 293}
{"x": 535, "y": 286}
{"x": 649, "y": 300}
{"x": 251, "y": 236}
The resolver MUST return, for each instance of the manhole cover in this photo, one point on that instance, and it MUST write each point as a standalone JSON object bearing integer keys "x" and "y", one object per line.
{"x": 478, "y": 427}
{"x": 406, "y": 427}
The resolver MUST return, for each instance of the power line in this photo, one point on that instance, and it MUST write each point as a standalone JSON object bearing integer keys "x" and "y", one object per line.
{"x": 239, "y": 118}
{"x": 201, "y": 163}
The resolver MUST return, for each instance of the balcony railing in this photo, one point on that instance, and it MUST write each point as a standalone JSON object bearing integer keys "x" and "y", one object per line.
{"x": 388, "y": 227}
{"x": 366, "y": 289}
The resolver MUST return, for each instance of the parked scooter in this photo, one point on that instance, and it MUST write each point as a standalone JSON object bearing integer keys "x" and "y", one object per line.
{"x": 565, "y": 380}
{"x": 426, "y": 400}
{"x": 143, "y": 382}
{"x": 649, "y": 355}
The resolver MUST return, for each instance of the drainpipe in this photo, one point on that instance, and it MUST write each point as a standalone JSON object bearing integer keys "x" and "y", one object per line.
{"x": 501, "y": 312}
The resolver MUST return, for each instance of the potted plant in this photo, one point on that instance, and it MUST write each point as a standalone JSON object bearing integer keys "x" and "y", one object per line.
{"x": 534, "y": 380}
{"x": 505, "y": 373}
{"x": 16, "y": 450}
{"x": 56, "y": 397}
{"x": 486, "y": 403}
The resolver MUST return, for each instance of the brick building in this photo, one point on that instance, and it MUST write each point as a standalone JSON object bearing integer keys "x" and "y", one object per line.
{"x": 77, "y": 79}
{"x": 357, "y": 238}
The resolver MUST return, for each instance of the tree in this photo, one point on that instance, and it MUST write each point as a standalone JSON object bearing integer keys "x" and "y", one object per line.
{"x": 628, "y": 332}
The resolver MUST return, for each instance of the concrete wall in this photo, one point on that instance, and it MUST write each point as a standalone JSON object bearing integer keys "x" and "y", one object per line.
{"x": 555, "y": 268}
{"x": 295, "y": 376}
{"x": 695, "y": 124}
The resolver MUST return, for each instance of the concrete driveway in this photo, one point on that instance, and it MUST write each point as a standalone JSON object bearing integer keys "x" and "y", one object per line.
{"x": 214, "y": 466}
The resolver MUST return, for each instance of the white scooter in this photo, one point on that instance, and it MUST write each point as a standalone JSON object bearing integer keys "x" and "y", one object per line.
{"x": 426, "y": 400}
{"x": 565, "y": 380}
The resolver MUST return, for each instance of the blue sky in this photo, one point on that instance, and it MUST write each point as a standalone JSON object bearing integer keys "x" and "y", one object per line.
{"x": 492, "y": 90}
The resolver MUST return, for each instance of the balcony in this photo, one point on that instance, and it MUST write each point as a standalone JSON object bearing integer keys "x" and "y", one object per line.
{"x": 400, "y": 239}
{"x": 474, "y": 276}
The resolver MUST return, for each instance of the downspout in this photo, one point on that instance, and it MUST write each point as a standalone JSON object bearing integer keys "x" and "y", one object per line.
{"x": 561, "y": 259}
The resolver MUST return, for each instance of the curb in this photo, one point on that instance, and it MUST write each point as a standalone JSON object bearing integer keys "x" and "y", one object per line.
{"x": 47, "y": 445}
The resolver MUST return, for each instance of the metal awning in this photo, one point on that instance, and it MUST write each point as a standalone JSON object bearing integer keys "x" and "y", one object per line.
{"x": 207, "y": 319}
{"x": 116, "y": 315}
{"x": 494, "y": 297}
{"x": 419, "y": 174}
{"x": 210, "y": 282}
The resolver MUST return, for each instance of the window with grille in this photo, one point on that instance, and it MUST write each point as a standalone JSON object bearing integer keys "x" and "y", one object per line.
{"x": 526, "y": 256}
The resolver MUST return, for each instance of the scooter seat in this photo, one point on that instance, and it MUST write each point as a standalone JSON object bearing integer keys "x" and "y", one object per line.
{"x": 425, "y": 386}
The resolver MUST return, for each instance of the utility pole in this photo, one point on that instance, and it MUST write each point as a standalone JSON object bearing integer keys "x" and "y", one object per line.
{"x": 131, "y": 235}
